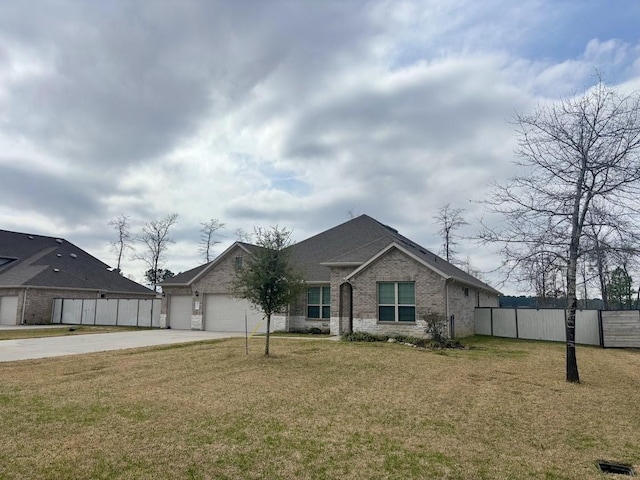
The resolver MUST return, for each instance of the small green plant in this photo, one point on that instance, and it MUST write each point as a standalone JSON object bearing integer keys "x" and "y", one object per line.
{"x": 363, "y": 337}
{"x": 437, "y": 330}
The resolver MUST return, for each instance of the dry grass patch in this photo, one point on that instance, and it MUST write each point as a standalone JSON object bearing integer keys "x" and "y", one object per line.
{"x": 320, "y": 410}
{"x": 64, "y": 330}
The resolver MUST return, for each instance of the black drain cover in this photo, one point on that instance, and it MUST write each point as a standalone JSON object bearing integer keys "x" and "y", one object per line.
{"x": 619, "y": 468}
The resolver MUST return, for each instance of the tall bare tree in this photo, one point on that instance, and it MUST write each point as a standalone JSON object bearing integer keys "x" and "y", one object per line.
{"x": 209, "y": 234}
{"x": 449, "y": 220}
{"x": 578, "y": 155}
{"x": 155, "y": 237}
{"x": 124, "y": 241}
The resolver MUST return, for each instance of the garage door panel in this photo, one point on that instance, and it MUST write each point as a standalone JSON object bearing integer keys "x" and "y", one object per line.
{"x": 227, "y": 314}
{"x": 180, "y": 312}
{"x": 8, "y": 310}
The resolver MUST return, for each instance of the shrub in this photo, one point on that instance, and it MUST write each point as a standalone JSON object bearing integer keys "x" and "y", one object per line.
{"x": 363, "y": 337}
{"x": 436, "y": 328}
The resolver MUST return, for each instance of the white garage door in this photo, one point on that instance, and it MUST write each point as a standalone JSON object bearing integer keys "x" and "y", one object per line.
{"x": 226, "y": 314}
{"x": 8, "y": 310}
{"x": 180, "y": 312}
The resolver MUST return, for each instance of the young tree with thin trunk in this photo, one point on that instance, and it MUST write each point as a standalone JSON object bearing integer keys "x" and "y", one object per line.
{"x": 578, "y": 156}
{"x": 449, "y": 220}
{"x": 124, "y": 242}
{"x": 209, "y": 234}
{"x": 267, "y": 278}
{"x": 155, "y": 237}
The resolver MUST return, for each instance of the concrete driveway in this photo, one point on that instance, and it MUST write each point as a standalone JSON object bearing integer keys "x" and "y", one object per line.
{"x": 30, "y": 348}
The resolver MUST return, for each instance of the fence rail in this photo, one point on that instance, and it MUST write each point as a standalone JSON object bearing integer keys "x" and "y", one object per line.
{"x": 135, "y": 312}
{"x": 593, "y": 327}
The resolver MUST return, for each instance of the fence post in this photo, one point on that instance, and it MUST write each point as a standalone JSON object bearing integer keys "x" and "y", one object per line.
{"x": 491, "y": 317}
{"x": 600, "y": 330}
{"x": 516, "y": 312}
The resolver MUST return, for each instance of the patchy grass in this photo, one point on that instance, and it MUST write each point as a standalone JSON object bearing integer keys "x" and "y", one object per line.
{"x": 295, "y": 335}
{"x": 35, "y": 332}
{"x": 319, "y": 410}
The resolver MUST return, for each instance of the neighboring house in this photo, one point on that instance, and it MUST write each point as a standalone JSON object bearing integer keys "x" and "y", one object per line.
{"x": 361, "y": 276}
{"x": 35, "y": 269}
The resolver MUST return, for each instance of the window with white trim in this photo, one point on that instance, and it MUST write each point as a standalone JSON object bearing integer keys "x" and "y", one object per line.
{"x": 396, "y": 302}
{"x": 319, "y": 302}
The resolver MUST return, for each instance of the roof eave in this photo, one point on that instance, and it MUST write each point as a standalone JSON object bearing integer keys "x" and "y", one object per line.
{"x": 341, "y": 264}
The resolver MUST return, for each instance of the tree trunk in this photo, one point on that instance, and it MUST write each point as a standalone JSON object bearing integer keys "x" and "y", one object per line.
{"x": 572, "y": 363}
{"x": 266, "y": 345}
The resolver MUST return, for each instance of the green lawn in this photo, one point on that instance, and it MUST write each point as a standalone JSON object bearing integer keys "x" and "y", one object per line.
{"x": 320, "y": 410}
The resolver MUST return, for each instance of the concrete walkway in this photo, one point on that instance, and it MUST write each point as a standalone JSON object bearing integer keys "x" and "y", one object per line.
{"x": 29, "y": 348}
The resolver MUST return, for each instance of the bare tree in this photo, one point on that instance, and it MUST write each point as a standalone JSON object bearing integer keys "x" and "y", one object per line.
{"x": 578, "y": 156}
{"x": 449, "y": 219}
{"x": 124, "y": 242}
{"x": 209, "y": 237}
{"x": 155, "y": 237}
{"x": 242, "y": 235}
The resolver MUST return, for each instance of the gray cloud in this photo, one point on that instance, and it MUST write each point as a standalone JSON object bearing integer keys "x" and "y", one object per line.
{"x": 280, "y": 112}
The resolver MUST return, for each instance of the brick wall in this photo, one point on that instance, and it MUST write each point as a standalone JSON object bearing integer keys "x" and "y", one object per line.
{"x": 396, "y": 266}
{"x": 220, "y": 278}
{"x": 462, "y": 302}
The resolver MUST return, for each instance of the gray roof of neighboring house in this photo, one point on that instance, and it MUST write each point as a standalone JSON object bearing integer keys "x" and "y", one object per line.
{"x": 351, "y": 243}
{"x": 39, "y": 261}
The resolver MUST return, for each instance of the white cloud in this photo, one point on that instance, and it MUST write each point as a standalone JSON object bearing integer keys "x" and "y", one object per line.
{"x": 287, "y": 113}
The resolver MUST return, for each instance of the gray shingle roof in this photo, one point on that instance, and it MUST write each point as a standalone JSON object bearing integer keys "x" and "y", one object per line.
{"x": 357, "y": 241}
{"x": 352, "y": 243}
{"x": 41, "y": 261}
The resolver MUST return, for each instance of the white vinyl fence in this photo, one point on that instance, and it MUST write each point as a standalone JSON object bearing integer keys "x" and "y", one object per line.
{"x": 136, "y": 312}
{"x": 537, "y": 324}
{"x": 607, "y": 328}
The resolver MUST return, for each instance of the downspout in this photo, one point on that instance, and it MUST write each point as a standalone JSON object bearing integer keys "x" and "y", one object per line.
{"x": 24, "y": 305}
{"x": 447, "y": 282}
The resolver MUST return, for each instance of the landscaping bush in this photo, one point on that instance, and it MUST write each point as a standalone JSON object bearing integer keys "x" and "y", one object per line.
{"x": 363, "y": 337}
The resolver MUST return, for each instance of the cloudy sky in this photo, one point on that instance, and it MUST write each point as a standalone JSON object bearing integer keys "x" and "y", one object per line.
{"x": 281, "y": 112}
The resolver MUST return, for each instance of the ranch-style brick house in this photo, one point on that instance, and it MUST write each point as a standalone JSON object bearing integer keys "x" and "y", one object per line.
{"x": 361, "y": 275}
{"x": 35, "y": 269}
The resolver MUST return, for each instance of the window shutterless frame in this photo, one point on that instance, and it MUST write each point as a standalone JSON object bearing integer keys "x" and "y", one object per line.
{"x": 396, "y": 302}
{"x": 319, "y": 303}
